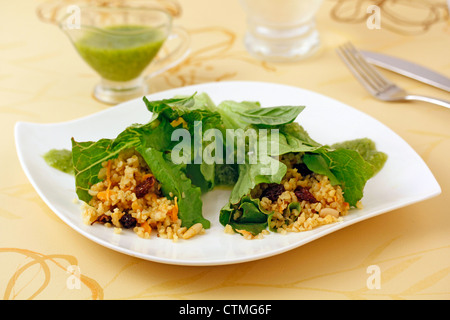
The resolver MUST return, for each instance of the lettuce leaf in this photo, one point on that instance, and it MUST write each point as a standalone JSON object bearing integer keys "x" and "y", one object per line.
{"x": 270, "y": 117}
{"x": 239, "y": 115}
{"x": 248, "y": 216}
{"x": 197, "y": 114}
{"x": 349, "y": 165}
{"x": 269, "y": 170}
{"x": 229, "y": 111}
{"x": 174, "y": 183}
{"x": 151, "y": 140}
{"x": 190, "y": 109}
{"x": 367, "y": 149}
{"x": 344, "y": 167}
{"x": 88, "y": 157}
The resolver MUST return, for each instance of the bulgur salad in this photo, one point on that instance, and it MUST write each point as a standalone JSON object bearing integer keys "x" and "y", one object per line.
{"x": 149, "y": 179}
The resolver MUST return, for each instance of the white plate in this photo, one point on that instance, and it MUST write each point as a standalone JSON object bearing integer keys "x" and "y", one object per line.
{"x": 405, "y": 179}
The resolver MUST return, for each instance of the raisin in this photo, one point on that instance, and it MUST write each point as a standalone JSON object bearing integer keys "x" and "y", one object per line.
{"x": 303, "y": 193}
{"x": 273, "y": 191}
{"x": 302, "y": 169}
{"x": 103, "y": 219}
{"x": 144, "y": 187}
{"x": 128, "y": 221}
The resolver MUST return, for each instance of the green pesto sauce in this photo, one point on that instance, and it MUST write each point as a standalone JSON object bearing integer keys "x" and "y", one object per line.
{"x": 120, "y": 57}
{"x": 60, "y": 159}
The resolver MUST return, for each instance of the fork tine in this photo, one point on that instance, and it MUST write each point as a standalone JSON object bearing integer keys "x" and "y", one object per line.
{"x": 371, "y": 71}
{"x": 360, "y": 67}
{"x": 356, "y": 70}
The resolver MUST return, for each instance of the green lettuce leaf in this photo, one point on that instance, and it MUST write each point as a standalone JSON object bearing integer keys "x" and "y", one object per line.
{"x": 294, "y": 131}
{"x": 248, "y": 216}
{"x": 286, "y": 139}
{"x": 349, "y": 164}
{"x": 269, "y": 170}
{"x": 367, "y": 149}
{"x": 199, "y": 115}
{"x": 229, "y": 110}
{"x": 148, "y": 139}
{"x": 88, "y": 157}
{"x": 239, "y": 115}
{"x": 174, "y": 183}
{"x": 226, "y": 174}
{"x": 270, "y": 117}
{"x": 351, "y": 169}
{"x": 344, "y": 167}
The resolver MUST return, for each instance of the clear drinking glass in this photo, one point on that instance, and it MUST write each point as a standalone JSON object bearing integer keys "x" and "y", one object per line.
{"x": 119, "y": 43}
{"x": 281, "y": 30}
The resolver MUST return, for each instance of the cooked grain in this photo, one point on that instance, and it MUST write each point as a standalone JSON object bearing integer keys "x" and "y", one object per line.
{"x": 330, "y": 200}
{"x": 115, "y": 196}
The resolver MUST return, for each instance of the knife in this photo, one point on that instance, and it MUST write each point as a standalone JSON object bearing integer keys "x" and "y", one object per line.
{"x": 408, "y": 69}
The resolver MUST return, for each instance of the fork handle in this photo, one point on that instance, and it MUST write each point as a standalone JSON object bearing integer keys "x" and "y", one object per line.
{"x": 440, "y": 102}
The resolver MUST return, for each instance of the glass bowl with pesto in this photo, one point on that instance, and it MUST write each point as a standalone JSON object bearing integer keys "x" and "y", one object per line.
{"x": 119, "y": 44}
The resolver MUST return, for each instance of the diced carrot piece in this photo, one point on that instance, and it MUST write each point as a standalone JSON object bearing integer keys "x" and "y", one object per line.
{"x": 104, "y": 195}
{"x": 136, "y": 206}
{"x": 146, "y": 227}
{"x": 175, "y": 211}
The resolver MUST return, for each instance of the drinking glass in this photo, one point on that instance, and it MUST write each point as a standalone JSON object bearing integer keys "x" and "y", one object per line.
{"x": 119, "y": 43}
{"x": 281, "y": 30}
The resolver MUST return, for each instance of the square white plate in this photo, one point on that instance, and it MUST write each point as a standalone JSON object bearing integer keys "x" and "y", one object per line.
{"x": 405, "y": 178}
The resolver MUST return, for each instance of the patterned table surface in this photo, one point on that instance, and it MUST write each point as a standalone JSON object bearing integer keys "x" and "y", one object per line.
{"x": 43, "y": 80}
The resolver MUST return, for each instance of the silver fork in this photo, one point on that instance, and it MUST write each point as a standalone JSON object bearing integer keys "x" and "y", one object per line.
{"x": 377, "y": 85}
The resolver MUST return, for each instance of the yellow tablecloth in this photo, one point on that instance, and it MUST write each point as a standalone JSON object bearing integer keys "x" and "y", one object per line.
{"x": 43, "y": 80}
